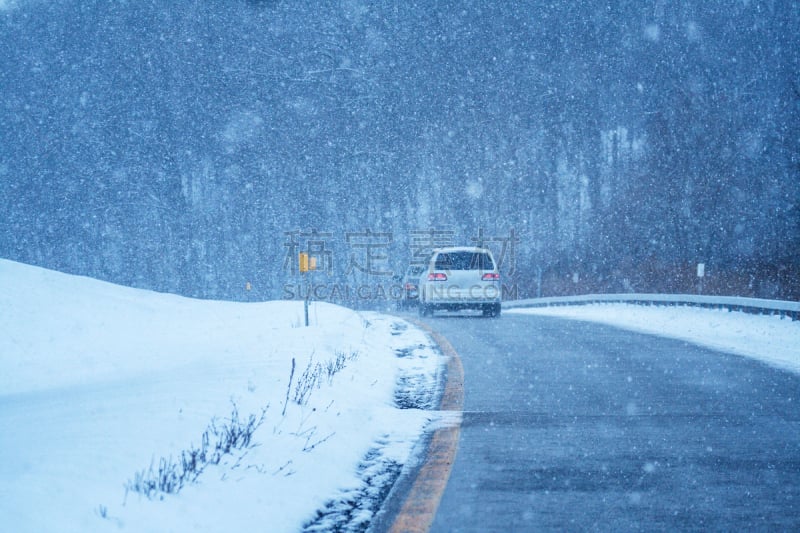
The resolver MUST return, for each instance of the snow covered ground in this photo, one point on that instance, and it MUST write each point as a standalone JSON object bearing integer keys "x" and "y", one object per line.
{"x": 771, "y": 339}
{"x": 100, "y": 382}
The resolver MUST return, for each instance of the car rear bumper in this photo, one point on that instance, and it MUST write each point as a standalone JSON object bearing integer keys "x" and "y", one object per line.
{"x": 466, "y": 296}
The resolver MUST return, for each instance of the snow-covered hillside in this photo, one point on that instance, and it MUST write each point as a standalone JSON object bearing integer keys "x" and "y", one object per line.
{"x": 99, "y": 383}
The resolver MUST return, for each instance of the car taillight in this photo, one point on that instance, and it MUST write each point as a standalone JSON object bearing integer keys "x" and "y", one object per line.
{"x": 437, "y": 276}
{"x": 410, "y": 286}
{"x": 491, "y": 276}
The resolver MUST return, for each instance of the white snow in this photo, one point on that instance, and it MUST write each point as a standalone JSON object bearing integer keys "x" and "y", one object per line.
{"x": 652, "y": 32}
{"x": 771, "y": 339}
{"x": 98, "y": 382}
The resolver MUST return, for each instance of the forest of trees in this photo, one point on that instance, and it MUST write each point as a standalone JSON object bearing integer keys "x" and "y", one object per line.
{"x": 195, "y": 147}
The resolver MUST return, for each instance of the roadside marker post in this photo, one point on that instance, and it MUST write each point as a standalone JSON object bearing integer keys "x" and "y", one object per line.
{"x": 307, "y": 264}
{"x": 701, "y": 273}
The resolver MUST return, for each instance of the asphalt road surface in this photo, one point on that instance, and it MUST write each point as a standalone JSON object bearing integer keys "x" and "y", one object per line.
{"x": 573, "y": 426}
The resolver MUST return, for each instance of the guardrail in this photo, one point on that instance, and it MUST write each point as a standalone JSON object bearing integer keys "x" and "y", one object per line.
{"x": 748, "y": 305}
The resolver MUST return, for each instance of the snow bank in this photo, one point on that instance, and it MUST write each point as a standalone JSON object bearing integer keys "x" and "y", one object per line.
{"x": 771, "y": 339}
{"x": 98, "y": 382}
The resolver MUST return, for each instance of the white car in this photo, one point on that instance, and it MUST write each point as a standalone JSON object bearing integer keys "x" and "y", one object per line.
{"x": 460, "y": 278}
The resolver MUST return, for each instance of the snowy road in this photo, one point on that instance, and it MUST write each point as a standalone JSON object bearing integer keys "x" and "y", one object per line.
{"x": 579, "y": 426}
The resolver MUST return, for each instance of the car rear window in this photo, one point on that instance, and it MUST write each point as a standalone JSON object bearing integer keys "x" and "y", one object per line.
{"x": 464, "y": 261}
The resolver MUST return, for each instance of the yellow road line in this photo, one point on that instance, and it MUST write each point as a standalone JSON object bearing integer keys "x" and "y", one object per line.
{"x": 419, "y": 508}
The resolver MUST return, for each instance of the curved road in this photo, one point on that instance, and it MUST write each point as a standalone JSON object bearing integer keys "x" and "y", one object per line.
{"x": 577, "y": 426}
